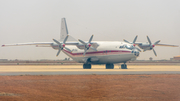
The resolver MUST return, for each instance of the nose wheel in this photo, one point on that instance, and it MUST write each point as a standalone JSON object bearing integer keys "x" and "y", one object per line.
{"x": 124, "y": 66}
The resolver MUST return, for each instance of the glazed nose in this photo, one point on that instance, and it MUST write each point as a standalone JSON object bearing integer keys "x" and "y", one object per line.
{"x": 136, "y": 53}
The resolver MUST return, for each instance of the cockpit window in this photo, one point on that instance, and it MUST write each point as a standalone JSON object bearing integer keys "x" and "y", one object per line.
{"x": 123, "y": 46}
{"x": 127, "y": 46}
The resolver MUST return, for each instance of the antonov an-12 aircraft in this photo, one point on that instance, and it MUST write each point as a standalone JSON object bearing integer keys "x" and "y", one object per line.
{"x": 96, "y": 52}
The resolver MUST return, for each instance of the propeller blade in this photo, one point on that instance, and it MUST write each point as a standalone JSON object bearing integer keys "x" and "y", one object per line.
{"x": 149, "y": 40}
{"x": 58, "y": 52}
{"x": 135, "y": 39}
{"x": 57, "y": 41}
{"x": 85, "y": 51}
{"x": 156, "y": 42}
{"x": 154, "y": 52}
{"x": 65, "y": 38}
{"x": 127, "y": 41}
{"x": 61, "y": 46}
{"x": 144, "y": 50}
{"x": 138, "y": 49}
{"x": 82, "y": 42}
{"x": 91, "y": 39}
{"x": 93, "y": 48}
{"x": 67, "y": 49}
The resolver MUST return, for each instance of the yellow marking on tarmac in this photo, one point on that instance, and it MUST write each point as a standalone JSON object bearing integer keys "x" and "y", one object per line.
{"x": 51, "y": 68}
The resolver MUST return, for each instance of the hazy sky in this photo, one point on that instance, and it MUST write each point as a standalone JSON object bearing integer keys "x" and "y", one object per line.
{"x": 111, "y": 20}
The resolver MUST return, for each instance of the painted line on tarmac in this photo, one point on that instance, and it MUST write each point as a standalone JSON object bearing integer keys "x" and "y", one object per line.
{"x": 89, "y": 73}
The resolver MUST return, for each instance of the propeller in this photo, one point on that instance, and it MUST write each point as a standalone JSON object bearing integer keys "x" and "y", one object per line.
{"x": 61, "y": 45}
{"x": 152, "y": 45}
{"x": 133, "y": 43}
{"x": 87, "y": 45}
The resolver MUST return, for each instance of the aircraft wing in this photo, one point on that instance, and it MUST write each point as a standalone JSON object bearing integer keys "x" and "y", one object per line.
{"x": 167, "y": 45}
{"x": 45, "y": 44}
{"x": 38, "y": 44}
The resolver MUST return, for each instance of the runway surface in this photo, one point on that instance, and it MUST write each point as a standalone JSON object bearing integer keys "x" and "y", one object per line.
{"x": 78, "y": 70}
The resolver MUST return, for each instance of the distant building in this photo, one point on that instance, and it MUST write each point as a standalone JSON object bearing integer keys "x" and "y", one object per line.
{"x": 3, "y": 60}
{"x": 171, "y": 59}
{"x": 176, "y": 58}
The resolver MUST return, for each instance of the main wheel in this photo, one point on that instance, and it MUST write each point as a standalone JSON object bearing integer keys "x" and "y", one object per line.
{"x": 123, "y": 66}
{"x": 86, "y": 66}
{"x": 109, "y": 66}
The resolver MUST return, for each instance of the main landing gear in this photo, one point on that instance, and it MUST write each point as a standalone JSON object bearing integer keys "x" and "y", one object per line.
{"x": 110, "y": 66}
{"x": 86, "y": 66}
{"x": 124, "y": 66}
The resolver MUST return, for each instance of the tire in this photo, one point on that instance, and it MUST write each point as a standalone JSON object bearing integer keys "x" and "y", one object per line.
{"x": 109, "y": 66}
{"x": 123, "y": 66}
{"x": 86, "y": 66}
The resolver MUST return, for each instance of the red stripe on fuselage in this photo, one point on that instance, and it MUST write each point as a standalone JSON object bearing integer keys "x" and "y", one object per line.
{"x": 96, "y": 53}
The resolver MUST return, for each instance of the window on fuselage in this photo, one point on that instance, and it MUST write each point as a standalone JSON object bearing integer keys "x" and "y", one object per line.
{"x": 123, "y": 46}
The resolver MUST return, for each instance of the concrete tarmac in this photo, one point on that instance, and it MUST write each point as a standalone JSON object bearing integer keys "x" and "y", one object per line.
{"x": 78, "y": 70}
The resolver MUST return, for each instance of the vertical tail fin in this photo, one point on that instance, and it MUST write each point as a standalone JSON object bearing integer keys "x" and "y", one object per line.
{"x": 64, "y": 30}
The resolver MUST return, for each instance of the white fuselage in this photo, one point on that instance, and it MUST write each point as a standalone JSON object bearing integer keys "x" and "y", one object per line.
{"x": 107, "y": 52}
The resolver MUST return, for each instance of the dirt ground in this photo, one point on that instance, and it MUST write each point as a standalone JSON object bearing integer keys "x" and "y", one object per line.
{"x": 164, "y": 87}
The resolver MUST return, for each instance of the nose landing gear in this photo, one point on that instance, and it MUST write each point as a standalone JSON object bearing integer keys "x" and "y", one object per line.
{"x": 124, "y": 66}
